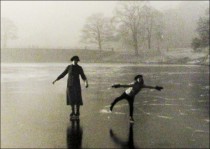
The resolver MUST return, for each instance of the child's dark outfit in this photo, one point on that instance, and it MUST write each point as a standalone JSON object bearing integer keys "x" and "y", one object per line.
{"x": 130, "y": 93}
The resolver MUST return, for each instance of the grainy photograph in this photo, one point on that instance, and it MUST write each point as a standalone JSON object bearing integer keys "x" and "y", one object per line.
{"x": 104, "y": 74}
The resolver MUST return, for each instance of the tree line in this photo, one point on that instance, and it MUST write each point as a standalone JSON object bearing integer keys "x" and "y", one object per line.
{"x": 202, "y": 39}
{"x": 138, "y": 26}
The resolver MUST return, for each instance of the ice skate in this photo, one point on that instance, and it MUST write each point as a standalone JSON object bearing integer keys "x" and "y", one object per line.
{"x": 131, "y": 120}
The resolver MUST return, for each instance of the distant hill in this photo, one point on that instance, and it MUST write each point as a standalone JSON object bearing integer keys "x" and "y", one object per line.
{"x": 51, "y": 55}
{"x": 175, "y": 56}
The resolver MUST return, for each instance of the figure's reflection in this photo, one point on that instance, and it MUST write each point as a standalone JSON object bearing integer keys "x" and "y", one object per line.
{"x": 74, "y": 135}
{"x": 124, "y": 144}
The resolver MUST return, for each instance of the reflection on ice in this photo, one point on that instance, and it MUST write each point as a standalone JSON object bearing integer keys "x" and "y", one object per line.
{"x": 201, "y": 95}
{"x": 147, "y": 113}
{"x": 74, "y": 135}
{"x": 182, "y": 113}
{"x": 129, "y": 143}
{"x": 153, "y": 104}
{"x": 165, "y": 117}
{"x": 206, "y": 120}
{"x": 105, "y": 111}
{"x": 28, "y": 96}
{"x": 195, "y": 109}
{"x": 205, "y": 87}
{"x": 203, "y": 101}
{"x": 157, "y": 98}
{"x": 190, "y": 84}
{"x": 119, "y": 113}
{"x": 200, "y": 131}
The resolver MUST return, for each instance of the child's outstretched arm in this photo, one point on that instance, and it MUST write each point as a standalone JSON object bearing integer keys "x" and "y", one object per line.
{"x": 159, "y": 88}
{"x": 121, "y": 85}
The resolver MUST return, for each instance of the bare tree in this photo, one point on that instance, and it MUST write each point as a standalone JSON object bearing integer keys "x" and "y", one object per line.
{"x": 201, "y": 41}
{"x": 180, "y": 23}
{"x": 203, "y": 29}
{"x": 97, "y": 30}
{"x": 128, "y": 18}
{"x": 152, "y": 24}
{"x": 174, "y": 29}
{"x": 8, "y": 31}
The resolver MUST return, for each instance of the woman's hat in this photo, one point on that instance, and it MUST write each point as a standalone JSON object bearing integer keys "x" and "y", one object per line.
{"x": 75, "y": 58}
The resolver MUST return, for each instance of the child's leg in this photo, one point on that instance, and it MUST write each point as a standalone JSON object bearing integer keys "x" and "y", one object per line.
{"x": 78, "y": 110}
{"x": 117, "y": 100}
{"x": 131, "y": 101}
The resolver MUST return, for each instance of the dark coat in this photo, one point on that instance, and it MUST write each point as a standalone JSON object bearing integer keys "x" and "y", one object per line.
{"x": 73, "y": 91}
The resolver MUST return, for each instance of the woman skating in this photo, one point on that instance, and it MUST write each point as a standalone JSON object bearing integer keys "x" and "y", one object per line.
{"x": 73, "y": 91}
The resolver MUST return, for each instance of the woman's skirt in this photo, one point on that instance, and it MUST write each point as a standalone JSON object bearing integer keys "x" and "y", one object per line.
{"x": 73, "y": 96}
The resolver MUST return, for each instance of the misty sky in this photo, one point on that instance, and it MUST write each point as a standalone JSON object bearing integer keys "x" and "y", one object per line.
{"x": 57, "y": 24}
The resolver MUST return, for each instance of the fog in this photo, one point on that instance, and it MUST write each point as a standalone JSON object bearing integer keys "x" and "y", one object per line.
{"x": 55, "y": 24}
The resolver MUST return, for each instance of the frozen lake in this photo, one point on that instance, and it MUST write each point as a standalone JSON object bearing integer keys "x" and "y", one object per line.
{"x": 34, "y": 112}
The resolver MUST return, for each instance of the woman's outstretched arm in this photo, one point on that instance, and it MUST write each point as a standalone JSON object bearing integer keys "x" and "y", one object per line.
{"x": 61, "y": 75}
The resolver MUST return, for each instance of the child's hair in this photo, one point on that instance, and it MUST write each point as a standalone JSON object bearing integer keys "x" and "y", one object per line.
{"x": 139, "y": 76}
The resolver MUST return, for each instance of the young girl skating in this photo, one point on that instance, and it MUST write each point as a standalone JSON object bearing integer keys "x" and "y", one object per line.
{"x": 130, "y": 93}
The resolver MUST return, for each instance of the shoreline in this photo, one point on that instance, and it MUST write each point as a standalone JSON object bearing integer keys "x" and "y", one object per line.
{"x": 103, "y": 63}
